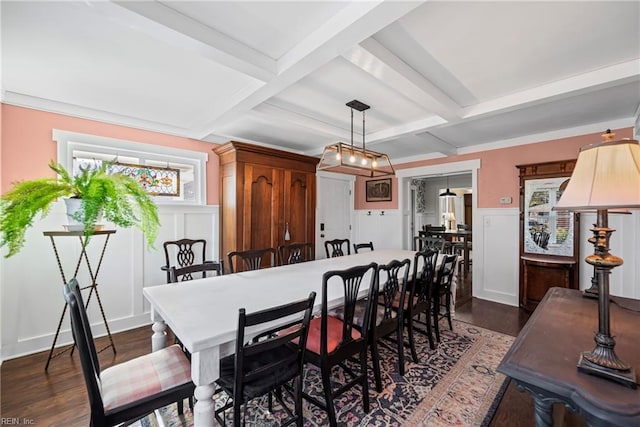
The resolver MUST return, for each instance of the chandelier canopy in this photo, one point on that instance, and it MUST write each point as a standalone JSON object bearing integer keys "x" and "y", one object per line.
{"x": 353, "y": 160}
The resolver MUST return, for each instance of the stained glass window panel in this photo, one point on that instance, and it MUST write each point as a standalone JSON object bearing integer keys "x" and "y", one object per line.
{"x": 157, "y": 181}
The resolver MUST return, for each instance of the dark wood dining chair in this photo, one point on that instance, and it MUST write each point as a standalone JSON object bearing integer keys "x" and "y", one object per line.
{"x": 128, "y": 391}
{"x": 394, "y": 284}
{"x": 358, "y": 246}
{"x": 267, "y": 362}
{"x": 442, "y": 292}
{"x": 420, "y": 297}
{"x": 294, "y": 253}
{"x": 334, "y": 248}
{"x": 436, "y": 230}
{"x": 182, "y": 253}
{"x": 458, "y": 248}
{"x": 252, "y": 259}
{"x": 429, "y": 242}
{"x": 332, "y": 341}
{"x": 187, "y": 273}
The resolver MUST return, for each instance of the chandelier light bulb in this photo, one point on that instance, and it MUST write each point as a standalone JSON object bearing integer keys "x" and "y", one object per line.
{"x": 338, "y": 156}
{"x": 364, "y": 161}
{"x": 374, "y": 163}
{"x": 352, "y": 158}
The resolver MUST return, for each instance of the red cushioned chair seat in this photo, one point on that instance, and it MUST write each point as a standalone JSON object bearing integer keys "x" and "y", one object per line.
{"x": 334, "y": 334}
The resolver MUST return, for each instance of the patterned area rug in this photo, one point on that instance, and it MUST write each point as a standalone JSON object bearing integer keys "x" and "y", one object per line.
{"x": 454, "y": 385}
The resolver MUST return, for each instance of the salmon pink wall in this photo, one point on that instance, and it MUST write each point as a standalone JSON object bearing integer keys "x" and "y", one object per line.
{"x": 27, "y": 146}
{"x": 360, "y": 195}
{"x": 498, "y": 175}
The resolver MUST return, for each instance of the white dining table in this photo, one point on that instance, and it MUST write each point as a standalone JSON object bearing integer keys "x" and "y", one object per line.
{"x": 203, "y": 313}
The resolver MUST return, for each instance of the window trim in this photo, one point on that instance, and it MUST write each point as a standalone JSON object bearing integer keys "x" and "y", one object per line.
{"x": 69, "y": 141}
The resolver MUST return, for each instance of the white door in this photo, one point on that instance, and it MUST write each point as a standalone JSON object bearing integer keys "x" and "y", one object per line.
{"x": 333, "y": 215}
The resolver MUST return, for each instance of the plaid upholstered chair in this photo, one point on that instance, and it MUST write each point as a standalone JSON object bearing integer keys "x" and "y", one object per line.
{"x": 130, "y": 390}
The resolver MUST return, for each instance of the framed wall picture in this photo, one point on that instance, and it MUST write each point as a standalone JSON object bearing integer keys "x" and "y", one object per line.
{"x": 379, "y": 190}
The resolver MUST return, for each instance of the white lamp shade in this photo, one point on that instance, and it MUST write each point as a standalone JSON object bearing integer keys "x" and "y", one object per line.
{"x": 606, "y": 175}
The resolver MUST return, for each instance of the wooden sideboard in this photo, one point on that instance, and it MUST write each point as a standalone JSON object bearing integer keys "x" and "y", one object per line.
{"x": 263, "y": 191}
{"x": 543, "y": 359}
{"x": 539, "y": 273}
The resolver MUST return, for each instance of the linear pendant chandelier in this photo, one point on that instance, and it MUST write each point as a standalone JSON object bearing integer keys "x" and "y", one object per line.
{"x": 353, "y": 160}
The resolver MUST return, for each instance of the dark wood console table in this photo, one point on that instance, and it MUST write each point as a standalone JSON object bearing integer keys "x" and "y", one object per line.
{"x": 93, "y": 286}
{"x": 543, "y": 359}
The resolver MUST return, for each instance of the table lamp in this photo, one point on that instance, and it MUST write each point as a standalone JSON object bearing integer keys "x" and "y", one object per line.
{"x": 606, "y": 176}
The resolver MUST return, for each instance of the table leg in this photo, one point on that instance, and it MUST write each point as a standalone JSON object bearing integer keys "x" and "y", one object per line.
{"x": 203, "y": 410}
{"x": 159, "y": 337}
{"x": 205, "y": 369}
{"x": 543, "y": 411}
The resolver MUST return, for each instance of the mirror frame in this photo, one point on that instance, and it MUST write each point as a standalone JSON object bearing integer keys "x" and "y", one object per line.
{"x": 540, "y": 270}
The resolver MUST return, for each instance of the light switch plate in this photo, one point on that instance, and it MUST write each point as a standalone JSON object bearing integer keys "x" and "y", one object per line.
{"x": 505, "y": 200}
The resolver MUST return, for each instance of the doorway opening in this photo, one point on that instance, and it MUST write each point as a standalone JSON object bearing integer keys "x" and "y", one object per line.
{"x": 463, "y": 176}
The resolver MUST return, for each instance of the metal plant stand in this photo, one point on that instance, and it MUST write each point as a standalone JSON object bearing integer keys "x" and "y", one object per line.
{"x": 93, "y": 286}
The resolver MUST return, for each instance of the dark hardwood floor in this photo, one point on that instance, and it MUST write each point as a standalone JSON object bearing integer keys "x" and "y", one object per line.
{"x": 58, "y": 397}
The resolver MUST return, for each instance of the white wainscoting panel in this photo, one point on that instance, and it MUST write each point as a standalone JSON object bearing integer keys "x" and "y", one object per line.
{"x": 31, "y": 291}
{"x": 382, "y": 227}
{"x": 624, "y": 243}
{"x": 496, "y": 255}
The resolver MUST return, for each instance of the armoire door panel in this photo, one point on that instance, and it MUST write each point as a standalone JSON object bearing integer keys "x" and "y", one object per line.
{"x": 298, "y": 207}
{"x": 262, "y": 199}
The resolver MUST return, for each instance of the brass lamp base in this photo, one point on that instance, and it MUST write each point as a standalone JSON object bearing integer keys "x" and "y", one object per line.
{"x": 624, "y": 377}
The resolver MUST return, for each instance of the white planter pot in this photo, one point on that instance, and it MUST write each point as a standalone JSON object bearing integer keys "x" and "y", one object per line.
{"x": 75, "y": 205}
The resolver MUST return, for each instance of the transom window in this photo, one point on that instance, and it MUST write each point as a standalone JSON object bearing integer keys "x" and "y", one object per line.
{"x": 170, "y": 175}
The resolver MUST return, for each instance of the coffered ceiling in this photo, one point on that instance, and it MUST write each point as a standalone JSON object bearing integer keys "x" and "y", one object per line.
{"x": 441, "y": 77}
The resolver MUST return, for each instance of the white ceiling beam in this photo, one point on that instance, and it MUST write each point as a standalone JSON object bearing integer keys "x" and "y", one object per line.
{"x": 354, "y": 23}
{"x": 412, "y": 128}
{"x": 288, "y": 117}
{"x": 438, "y": 144}
{"x": 572, "y": 86}
{"x": 168, "y": 25}
{"x": 376, "y": 60}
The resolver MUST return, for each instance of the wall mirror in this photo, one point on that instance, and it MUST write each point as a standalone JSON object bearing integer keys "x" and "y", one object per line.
{"x": 546, "y": 231}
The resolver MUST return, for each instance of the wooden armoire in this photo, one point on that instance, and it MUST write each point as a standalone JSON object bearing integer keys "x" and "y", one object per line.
{"x": 263, "y": 191}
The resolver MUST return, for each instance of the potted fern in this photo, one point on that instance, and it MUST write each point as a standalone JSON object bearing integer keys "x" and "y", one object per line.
{"x": 118, "y": 198}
